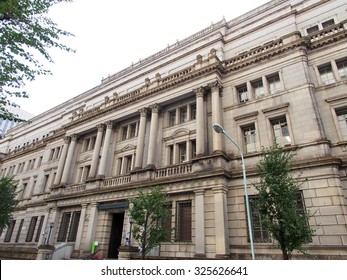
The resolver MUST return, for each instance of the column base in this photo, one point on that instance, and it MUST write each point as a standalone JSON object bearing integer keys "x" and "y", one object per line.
{"x": 200, "y": 255}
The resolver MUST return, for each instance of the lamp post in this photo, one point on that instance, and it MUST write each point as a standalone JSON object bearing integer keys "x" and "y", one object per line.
{"x": 51, "y": 225}
{"x": 131, "y": 225}
{"x": 219, "y": 129}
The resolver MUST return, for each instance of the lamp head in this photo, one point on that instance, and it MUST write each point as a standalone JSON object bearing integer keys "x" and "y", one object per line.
{"x": 218, "y": 128}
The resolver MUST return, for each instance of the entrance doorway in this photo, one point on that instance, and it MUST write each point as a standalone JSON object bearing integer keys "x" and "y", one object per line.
{"x": 116, "y": 235}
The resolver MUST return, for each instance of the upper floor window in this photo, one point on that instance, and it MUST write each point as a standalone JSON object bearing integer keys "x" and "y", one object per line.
{"x": 342, "y": 121}
{"x": 281, "y": 131}
{"x": 312, "y": 29}
{"x": 193, "y": 111}
{"x": 274, "y": 83}
{"x": 258, "y": 88}
{"x": 342, "y": 68}
{"x": 326, "y": 74}
{"x": 249, "y": 137}
{"x": 183, "y": 114}
{"x": 182, "y": 150}
{"x": 129, "y": 131}
{"x": 172, "y": 118}
{"x": 328, "y": 23}
{"x": 242, "y": 93}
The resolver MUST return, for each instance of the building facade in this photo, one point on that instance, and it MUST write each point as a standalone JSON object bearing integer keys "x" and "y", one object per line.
{"x": 276, "y": 72}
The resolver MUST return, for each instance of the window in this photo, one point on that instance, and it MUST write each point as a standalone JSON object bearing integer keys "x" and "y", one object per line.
{"x": 312, "y": 29}
{"x": 39, "y": 228}
{"x": 68, "y": 230}
{"x": 342, "y": 121}
{"x": 19, "y": 230}
{"x": 249, "y": 138}
{"x": 31, "y": 229}
{"x": 184, "y": 221}
{"x": 74, "y": 226}
{"x": 124, "y": 132}
{"x": 242, "y": 93}
{"x": 183, "y": 114}
{"x": 166, "y": 223}
{"x": 260, "y": 234}
{"x": 326, "y": 74}
{"x": 258, "y": 88}
{"x": 64, "y": 225}
{"x": 192, "y": 111}
{"x": 127, "y": 166}
{"x": 342, "y": 69}
{"x": 171, "y": 155}
{"x": 274, "y": 83}
{"x": 328, "y": 23}
{"x": 172, "y": 118}
{"x": 182, "y": 150}
{"x": 10, "y": 231}
{"x": 132, "y": 130}
{"x": 281, "y": 132}
{"x": 89, "y": 144}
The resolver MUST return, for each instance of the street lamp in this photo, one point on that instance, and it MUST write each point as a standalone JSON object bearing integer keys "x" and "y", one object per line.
{"x": 51, "y": 225}
{"x": 219, "y": 129}
{"x": 131, "y": 225}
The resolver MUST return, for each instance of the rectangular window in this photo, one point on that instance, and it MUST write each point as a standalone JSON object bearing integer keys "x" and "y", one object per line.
{"x": 19, "y": 230}
{"x": 184, "y": 221}
{"x": 10, "y": 231}
{"x": 127, "y": 163}
{"x": 242, "y": 93}
{"x": 193, "y": 112}
{"x": 342, "y": 68}
{"x": 172, "y": 118}
{"x": 312, "y": 29}
{"x": 39, "y": 228}
{"x": 74, "y": 226}
{"x": 326, "y": 74}
{"x": 182, "y": 149}
{"x": 260, "y": 234}
{"x": 64, "y": 226}
{"x": 342, "y": 120}
{"x": 274, "y": 83}
{"x": 281, "y": 132}
{"x": 193, "y": 148}
{"x": 249, "y": 138}
{"x": 328, "y": 23}
{"x": 133, "y": 130}
{"x": 31, "y": 229}
{"x": 171, "y": 154}
{"x": 124, "y": 132}
{"x": 183, "y": 114}
{"x": 258, "y": 88}
{"x": 166, "y": 223}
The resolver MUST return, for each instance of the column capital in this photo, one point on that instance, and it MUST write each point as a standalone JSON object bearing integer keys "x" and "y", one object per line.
{"x": 74, "y": 137}
{"x": 216, "y": 86}
{"x": 155, "y": 108}
{"x": 67, "y": 139}
{"x": 143, "y": 112}
{"x": 100, "y": 127}
{"x": 109, "y": 124}
{"x": 200, "y": 92}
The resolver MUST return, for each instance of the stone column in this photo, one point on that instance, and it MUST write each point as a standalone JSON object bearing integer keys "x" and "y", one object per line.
{"x": 96, "y": 152}
{"x": 105, "y": 149}
{"x": 141, "y": 139}
{"x": 189, "y": 150}
{"x": 221, "y": 221}
{"x": 62, "y": 161}
{"x": 335, "y": 70}
{"x": 68, "y": 162}
{"x": 200, "y": 124}
{"x": 199, "y": 224}
{"x": 153, "y": 136}
{"x": 93, "y": 217}
{"x": 265, "y": 85}
{"x": 217, "y": 138}
{"x": 80, "y": 227}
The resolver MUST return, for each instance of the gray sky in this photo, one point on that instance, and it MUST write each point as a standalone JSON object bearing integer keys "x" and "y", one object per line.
{"x": 111, "y": 34}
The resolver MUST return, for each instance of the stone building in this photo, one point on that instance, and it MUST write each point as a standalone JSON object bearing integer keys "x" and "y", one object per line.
{"x": 276, "y": 72}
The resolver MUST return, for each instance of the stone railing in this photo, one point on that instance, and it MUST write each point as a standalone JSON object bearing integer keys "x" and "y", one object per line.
{"x": 173, "y": 171}
{"x": 116, "y": 181}
{"x": 327, "y": 32}
{"x": 73, "y": 189}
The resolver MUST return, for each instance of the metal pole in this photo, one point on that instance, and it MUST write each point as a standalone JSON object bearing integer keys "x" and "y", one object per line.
{"x": 219, "y": 129}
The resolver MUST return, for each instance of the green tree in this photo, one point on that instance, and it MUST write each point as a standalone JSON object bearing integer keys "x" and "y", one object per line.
{"x": 8, "y": 200}
{"x": 277, "y": 202}
{"x": 148, "y": 212}
{"x": 26, "y": 33}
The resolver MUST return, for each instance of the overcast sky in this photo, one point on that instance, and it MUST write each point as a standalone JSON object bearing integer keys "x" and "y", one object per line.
{"x": 111, "y": 34}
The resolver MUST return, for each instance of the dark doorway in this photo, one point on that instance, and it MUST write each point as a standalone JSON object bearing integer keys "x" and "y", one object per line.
{"x": 116, "y": 235}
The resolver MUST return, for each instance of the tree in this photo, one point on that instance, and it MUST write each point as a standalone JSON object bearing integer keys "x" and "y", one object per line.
{"x": 8, "y": 200}
{"x": 148, "y": 212}
{"x": 25, "y": 33}
{"x": 277, "y": 202}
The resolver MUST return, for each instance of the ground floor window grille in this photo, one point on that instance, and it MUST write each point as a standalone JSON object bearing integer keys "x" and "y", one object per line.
{"x": 184, "y": 221}
{"x": 68, "y": 227}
